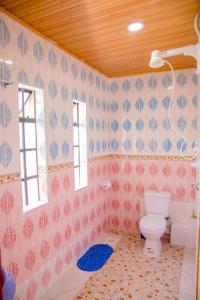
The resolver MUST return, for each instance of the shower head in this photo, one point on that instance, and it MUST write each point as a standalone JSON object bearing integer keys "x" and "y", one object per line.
{"x": 156, "y": 60}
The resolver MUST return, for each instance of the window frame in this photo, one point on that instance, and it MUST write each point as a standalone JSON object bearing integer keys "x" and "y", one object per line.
{"x": 23, "y": 120}
{"x": 77, "y": 124}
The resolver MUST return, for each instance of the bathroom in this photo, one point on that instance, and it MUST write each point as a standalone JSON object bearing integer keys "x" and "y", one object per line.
{"x": 140, "y": 132}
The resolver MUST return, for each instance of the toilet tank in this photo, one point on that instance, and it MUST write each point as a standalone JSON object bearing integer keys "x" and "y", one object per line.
{"x": 157, "y": 202}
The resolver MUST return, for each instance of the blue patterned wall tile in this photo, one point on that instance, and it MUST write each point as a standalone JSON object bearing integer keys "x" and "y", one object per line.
{"x": 181, "y": 102}
{"x": 103, "y": 125}
{"x": 64, "y": 64}
{"x": 64, "y": 120}
{"x": 139, "y": 84}
{"x": 139, "y": 125}
{"x": 166, "y": 81}
{"x": 181, "y": 79}
{"x": 83, "y": 96}
{"x": 153, "y": 145}
{"x": 103, "y": 85}
{"x": 194, "y": 123}
{"x": 22, "y": 77}
{"x": 114, "y": 106}
{"x": 109, "y": 145}
{"x": 53, "y": 150}
{"x": 98, "y": 103}
{"x": 64, "y": 92}
{"x": 4, "y": 34}
{"x": 181, "y": 145}
{"x": 194, "y": 101}
{"x": 98, "y": 124}
{"x": 22, "y": 43}
{"x": 91, "y": 79}
{"x": 114, "y": 87}
{"x": 52, "y": 58}
{"x": 103, "y": 105}
{"x": 97, "y": 82}
{"x": 74, "y": 94}
{"x": 167, "y": 144}
{"x": 126, "y": 105}
{"x": 114, "y": 144}
{"x": 166, "y": 124}
{"x": 53, "y": 120}
{"x": 139, "y": 144}
{"x": 52, "y": 88}
{"x": 6, "y": 154}
{"x": 194, "y": 79}
{"x": 114, "y": 125}
{"x": 38, "y": 82}
{"x": 91, "y": 146}
{"x": 65, "y": 148}
{"x": 108, "y": 107}
{"x": 127, "y": 144}
{"x": 98, "y": 146}
{"x": 38, "y": 51}
{"x": 83, "y": 75}
{"x": 166, "y": 102}
{"x": 74, "y": 70}
{"x": 91, "y": 100}
{"x": 104, "y": 144}
{"x": 153, "y": 103}
{"x": 5, "y": 72}
{"x": 126, "y": 125}
{"x": 5, "y": 114}
{"x": 181, "y": 123}
{"x": 153, "y": 124}
{"x": 91, "y": 123}
{"x": 152, "y": 83}
{"x": 126, "y": 86}
{"x": 139, "y": 105}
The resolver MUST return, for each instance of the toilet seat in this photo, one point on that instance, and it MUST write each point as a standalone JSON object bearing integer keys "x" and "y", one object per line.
{"x": 152, "y": 223}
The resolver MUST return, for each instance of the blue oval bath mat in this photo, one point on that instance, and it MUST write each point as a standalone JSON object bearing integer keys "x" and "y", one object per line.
{"x": 95, "y": 257}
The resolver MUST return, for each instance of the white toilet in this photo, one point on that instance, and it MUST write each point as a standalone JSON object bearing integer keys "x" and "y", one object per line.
{"x": 153, "y": 224}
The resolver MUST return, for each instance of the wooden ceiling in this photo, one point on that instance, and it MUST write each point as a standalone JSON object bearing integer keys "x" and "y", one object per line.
{"x": 95, "y": 30}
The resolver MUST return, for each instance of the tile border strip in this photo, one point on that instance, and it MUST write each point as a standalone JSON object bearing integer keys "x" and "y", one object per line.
{"x": 63, "y": 166}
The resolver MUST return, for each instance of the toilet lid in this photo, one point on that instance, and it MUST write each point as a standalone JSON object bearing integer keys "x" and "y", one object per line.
{"x": 153, "y": 222}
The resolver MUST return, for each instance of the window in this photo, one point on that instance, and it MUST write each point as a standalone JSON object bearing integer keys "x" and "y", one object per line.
{"x": 80, "y": 144}
{"x": 32, "y": 156}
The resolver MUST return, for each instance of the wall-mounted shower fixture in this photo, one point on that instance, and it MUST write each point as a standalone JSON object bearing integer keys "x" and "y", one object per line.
{"x": 158, "y": 58}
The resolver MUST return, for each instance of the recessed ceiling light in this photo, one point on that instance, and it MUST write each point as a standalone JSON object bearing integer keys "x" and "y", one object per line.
{"x": 135, "y": 26}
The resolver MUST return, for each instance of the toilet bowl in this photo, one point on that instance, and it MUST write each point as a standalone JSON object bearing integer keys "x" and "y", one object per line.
{"x": 153, "y": 224}
{"x": 152, "y": 227}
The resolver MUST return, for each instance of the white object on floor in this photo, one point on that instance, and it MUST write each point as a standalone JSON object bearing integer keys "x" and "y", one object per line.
{"x": 184, "y": 233}
{"x": 153, "y": 224}
{"x": 67, "y": 287}
{"x": 187, "y": 284}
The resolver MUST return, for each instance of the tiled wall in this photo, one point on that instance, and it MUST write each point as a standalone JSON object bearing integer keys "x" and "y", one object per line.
{"x": 39, "y": 245}
{"x": 126, "y": 117}
{"x": 146, "y": 145}
{"x": 140, "y": 121}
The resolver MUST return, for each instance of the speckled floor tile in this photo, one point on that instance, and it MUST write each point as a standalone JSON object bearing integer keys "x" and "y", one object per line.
{"x": 128, "y": 274}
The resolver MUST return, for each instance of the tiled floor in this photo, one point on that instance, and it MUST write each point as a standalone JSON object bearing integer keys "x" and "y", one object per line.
{"x": 72, "y": 282}
{"x": 130, "y": 275}
{"x": 126, "y": 275}
{"x": 187, "y": 284}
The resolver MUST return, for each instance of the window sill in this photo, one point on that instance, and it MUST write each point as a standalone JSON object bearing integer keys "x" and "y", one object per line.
{"x": 29, "y": 207}
{"x": 80, "y": 187}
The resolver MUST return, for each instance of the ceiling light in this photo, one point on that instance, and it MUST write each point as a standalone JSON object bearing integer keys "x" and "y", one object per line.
{"x": 135, "y": 26}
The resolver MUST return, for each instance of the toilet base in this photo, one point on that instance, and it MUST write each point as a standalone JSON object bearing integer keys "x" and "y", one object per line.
{"x": 152, "y": 248}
